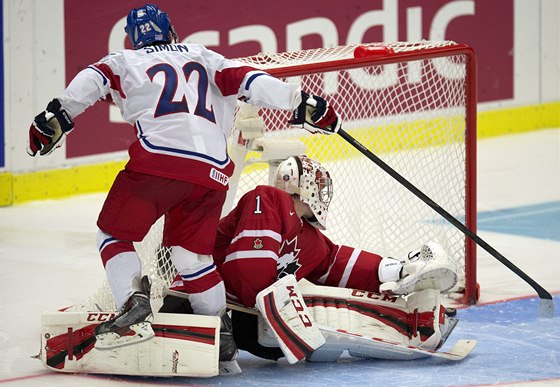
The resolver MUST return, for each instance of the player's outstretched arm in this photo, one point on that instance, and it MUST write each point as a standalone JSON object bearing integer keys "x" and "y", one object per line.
{"x": 315, "y": 115}
{"x": 49, "y": 129}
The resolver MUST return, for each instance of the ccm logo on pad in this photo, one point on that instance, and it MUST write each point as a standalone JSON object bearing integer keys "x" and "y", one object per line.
{"x": 100, "y": 316}
{"x": 297, "y": 303}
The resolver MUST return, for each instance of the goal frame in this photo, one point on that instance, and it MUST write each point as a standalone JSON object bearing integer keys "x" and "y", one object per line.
{"x": 155, "y": 257}
{"x": 381, "y": 57}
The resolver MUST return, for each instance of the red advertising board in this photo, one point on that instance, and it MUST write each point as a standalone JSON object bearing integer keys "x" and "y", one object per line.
{"x": 244, "y": 28}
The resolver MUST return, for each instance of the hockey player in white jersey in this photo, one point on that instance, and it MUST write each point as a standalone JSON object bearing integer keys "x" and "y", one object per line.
{"x": 181, "y": 100}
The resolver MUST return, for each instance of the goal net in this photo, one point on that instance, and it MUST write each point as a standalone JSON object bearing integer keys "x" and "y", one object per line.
{"x": 413, "y": 104}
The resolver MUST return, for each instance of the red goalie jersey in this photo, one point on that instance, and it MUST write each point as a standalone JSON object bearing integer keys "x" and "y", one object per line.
{"x": 262, "y": 239}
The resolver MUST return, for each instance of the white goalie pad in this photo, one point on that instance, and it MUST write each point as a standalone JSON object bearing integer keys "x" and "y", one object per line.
{"x": 373, "y": 325}
{"x": 184, "y": 345}
{"x": 344, "y": 314}
{"x": 285, "y": 312}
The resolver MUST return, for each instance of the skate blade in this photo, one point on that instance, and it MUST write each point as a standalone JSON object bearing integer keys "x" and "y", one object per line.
{"x": 138, "y": 333}
{"x": 452, "y": 324}
{"x": 229, "y": 367}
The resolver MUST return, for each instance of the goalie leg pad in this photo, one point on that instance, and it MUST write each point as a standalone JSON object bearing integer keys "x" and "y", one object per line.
{"x": 178, "y": 302}
{"x": 284, "y": 309}
{"x": 418, "y": 319}
{"x": 184, "y": 345}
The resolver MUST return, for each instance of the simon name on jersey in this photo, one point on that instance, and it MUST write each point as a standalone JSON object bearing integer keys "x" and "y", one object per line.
{"x": 166, "y": 47}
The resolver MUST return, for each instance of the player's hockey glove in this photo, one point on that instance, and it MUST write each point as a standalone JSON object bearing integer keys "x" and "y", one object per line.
{"x": 49, "y": 129}
{"x": 315, "y": 115}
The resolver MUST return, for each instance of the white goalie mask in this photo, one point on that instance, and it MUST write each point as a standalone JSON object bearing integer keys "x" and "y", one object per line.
{"x": 307, "y": 178}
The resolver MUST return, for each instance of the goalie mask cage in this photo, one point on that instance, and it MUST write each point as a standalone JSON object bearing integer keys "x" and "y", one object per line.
{"x": 413, "y": 104}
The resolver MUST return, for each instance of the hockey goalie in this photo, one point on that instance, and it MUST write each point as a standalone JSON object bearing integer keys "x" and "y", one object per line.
{"x": 294, "y": 292}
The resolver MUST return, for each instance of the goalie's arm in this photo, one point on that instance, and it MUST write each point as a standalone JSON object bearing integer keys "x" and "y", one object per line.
{"x": 348, "y": 267}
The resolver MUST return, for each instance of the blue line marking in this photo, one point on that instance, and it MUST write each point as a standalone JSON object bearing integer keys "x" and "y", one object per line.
{"x": 536, "y": 221}
{"x": 106, "y": 242}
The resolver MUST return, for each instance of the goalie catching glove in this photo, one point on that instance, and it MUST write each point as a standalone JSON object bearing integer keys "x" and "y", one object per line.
{"x": 315, "y": 115}
{"x": 48, "y": 130}
{"x": 428, "y": 268}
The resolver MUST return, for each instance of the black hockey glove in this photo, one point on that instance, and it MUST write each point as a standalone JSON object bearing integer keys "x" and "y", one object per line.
{"x": 49, "y": 129}
{"x": 315, "y": 115}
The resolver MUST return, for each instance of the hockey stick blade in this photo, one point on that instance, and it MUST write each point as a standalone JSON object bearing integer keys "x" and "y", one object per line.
{"x": 547, "y": 307}
{"x": 460, "y": 350}
{"x": 375, "y": 347}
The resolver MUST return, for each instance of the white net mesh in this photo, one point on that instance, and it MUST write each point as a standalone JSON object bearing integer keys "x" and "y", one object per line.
{"x": 410, "y": 113}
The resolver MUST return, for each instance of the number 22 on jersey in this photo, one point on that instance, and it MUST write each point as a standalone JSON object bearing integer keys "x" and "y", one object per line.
{"x": 166, "y": 105}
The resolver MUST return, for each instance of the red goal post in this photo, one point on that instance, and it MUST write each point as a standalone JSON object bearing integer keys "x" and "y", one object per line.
{"x": 414, "y": 105}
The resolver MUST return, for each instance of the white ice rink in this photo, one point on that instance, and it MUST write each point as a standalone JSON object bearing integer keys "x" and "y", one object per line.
{"x": 49, "y": 260}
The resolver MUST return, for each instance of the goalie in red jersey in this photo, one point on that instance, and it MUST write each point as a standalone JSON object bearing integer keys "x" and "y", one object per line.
{"x": 274, "y": 232}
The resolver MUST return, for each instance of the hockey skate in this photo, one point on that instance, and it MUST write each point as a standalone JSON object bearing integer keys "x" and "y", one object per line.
{"x": 228, "y": 348}
{"x": 430, "y": 268}
{"x": 132, "y": 325}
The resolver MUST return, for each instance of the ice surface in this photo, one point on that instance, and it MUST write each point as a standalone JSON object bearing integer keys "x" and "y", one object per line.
{"x": 49, "y": 260}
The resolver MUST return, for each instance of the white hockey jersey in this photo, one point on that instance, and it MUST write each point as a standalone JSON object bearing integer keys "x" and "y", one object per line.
{"x": 181, "y": 99}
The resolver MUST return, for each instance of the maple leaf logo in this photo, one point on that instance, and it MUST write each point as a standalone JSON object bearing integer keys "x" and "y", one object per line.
{"x": 288, "y": 258}
{"x": 258, "y": 244}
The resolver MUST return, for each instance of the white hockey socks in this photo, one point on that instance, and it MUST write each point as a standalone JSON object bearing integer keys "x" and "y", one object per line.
{"x": 202, "y": 282}
{"x": 122, "y": 265}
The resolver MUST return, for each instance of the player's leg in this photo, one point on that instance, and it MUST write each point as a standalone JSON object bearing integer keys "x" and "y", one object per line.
{"x": 200, "y": 281}
{"x": 190, "y": 228}
{"x": 428, "y": 268}
{"x": 130, "y": 291}
{"x": 133, "y": 204}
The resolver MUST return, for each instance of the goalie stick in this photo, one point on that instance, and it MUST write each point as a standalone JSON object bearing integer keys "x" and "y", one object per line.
{"x": 399, "y": 351}
{"x": 546, "y": 307}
